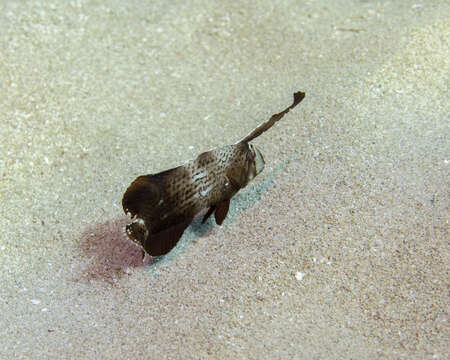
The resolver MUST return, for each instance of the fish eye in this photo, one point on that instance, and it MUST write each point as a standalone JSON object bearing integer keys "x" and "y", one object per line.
{"x": 252, "y": 149}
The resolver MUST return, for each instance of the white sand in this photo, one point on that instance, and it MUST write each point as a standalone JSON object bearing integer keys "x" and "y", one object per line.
{"x": 338, "y": 250}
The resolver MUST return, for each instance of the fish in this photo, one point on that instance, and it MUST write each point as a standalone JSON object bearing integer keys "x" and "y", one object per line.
{"x": 163, "y": 205}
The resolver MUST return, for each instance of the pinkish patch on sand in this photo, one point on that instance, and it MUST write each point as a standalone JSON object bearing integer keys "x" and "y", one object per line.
{"x": 109, "y": 253}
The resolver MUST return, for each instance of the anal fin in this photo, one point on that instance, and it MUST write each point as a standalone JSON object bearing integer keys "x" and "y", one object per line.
{"x": 221, "y": 211}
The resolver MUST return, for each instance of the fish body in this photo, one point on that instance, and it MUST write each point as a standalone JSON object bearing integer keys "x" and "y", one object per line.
{"x": 164, "y": 204}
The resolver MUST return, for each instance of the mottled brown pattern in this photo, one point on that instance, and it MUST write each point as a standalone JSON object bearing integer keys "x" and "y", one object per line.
{"x": 174, "y": 196}
{"x": 164, "y": 204}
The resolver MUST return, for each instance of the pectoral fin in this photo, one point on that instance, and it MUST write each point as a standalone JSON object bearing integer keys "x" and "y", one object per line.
{"x": 164, "y": 241}
{"x": 221, "y": 211}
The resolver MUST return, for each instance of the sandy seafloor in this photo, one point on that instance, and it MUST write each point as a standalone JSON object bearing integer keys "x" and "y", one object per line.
{"x": 338, "y": 250}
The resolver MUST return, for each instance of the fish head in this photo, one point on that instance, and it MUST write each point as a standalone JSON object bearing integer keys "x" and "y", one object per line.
{"x": 256, "y": 162}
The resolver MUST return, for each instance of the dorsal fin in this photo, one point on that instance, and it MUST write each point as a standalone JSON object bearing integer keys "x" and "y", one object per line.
{"x": 298, "y": 97}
